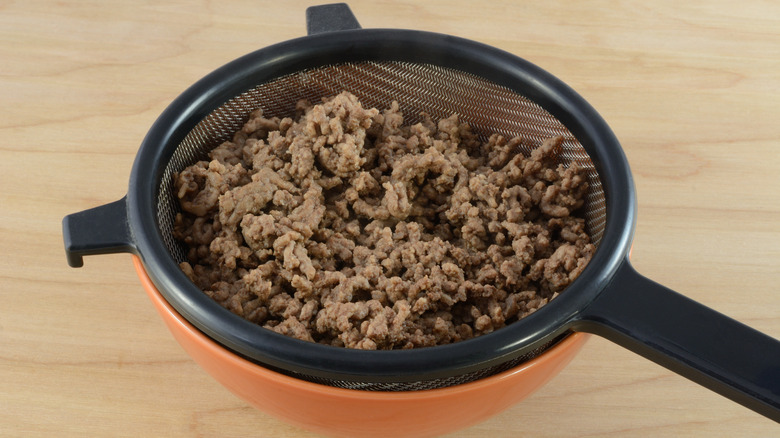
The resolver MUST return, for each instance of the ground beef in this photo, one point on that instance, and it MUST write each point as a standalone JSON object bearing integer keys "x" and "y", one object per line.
{"x": 347, "y": 227}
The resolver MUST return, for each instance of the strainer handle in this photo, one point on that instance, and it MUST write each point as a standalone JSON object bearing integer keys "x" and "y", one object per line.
{"x": 330, "y": 18}
{"x": 688, "y": 338}
{"x": 99, "y": 230}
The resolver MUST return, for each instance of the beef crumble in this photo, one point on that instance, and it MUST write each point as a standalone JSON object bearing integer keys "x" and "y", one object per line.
{"x": 346, "y": 227}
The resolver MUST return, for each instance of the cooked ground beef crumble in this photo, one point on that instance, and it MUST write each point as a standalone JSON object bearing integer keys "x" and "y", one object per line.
{"x": 349, "y": 228}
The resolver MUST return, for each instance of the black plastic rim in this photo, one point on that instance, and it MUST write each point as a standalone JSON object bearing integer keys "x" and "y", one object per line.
{"x": 271, "y": 349}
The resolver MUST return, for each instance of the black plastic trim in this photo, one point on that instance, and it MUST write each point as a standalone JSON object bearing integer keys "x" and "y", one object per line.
{"x": 688, "y": 338}
{"x": 99, "y": 230}
{"x": 330, "y": 18}
{"x": 336, "y": 47}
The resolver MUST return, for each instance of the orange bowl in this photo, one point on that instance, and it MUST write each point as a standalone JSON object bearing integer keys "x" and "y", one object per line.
{"x": 346, "y": 412}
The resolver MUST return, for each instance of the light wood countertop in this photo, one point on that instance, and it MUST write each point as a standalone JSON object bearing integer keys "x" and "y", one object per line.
{"x": 691, "y": 89}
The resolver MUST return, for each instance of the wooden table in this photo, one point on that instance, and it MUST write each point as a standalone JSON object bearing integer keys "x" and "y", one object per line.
{"x": 692, "y": 90}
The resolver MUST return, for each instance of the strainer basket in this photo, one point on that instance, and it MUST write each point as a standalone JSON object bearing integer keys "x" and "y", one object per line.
{"x": 493, "y": 91}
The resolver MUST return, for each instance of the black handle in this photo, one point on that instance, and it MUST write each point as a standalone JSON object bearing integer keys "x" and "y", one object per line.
{"x": 330, "y": 18}
{"x": 688, "y": 338}
{"x": 100, "y": 230}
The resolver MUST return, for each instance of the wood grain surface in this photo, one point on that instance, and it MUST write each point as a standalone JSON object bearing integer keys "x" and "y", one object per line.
{"x": 692, "y": 90}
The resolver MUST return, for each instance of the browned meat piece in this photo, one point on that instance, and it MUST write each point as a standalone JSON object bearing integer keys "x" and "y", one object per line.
{"x": 349, "y": 228}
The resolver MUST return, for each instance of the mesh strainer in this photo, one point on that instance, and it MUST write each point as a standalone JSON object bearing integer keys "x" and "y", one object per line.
{"x": 494, "y": 92}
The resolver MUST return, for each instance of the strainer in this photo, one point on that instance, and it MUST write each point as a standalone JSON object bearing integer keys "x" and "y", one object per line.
{"x": 493, "y": 91}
